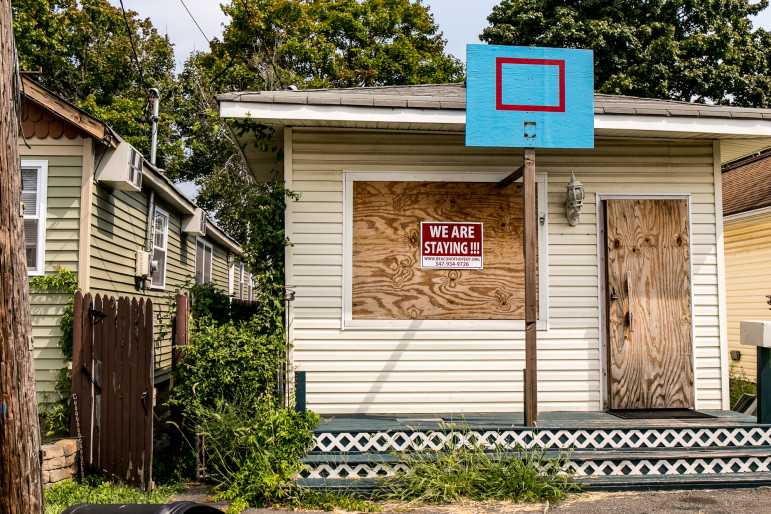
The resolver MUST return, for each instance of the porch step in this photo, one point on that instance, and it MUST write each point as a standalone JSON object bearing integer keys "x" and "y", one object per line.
{"x": 599, "y": 483}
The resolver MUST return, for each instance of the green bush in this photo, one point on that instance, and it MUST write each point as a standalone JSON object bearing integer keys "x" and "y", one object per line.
{"x": 227, "y": 361}
{"x": 254, "y": 447}
{"x": 459, "y": 471}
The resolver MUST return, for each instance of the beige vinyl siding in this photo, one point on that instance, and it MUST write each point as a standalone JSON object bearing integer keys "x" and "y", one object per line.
{"x": 65, "y": 161}
{"x": 421, "y": 371}
{"x": 219, "y": 267}
{"x": 748, "y": 281}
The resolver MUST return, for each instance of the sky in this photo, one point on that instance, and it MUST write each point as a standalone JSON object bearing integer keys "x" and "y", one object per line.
{"x": 461, "y": 22}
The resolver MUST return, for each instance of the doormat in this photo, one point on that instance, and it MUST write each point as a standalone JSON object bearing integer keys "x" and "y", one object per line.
{"x": 659, "y": 414}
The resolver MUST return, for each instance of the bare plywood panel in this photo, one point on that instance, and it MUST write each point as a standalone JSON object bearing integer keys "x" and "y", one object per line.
{"x": 387, "y": 280}
{"x": 650, "y": 357}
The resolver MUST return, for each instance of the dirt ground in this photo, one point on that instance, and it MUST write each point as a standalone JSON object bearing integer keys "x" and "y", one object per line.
{"x": 707, "y": 501}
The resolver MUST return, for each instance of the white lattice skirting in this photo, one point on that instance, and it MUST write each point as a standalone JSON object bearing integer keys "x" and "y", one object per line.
{"x": 616, "y": 467}
{"x": 384, "y": 442}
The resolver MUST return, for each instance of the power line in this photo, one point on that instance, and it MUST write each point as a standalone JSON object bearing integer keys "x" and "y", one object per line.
{"x": 133, "y": 48}
{"x": 194, "y": 21}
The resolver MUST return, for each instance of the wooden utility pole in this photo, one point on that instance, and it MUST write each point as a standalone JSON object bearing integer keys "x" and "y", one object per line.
{"x": 21, "y": 490}
{"x": 530, "y": 240}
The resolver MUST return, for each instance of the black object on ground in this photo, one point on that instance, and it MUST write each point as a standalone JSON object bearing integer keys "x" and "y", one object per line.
{"x": 659, "y": 414}
{"x": 172, "y": 508}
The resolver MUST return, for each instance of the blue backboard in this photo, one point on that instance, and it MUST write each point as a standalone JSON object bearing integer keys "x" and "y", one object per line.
{"x": 529, "y": 97}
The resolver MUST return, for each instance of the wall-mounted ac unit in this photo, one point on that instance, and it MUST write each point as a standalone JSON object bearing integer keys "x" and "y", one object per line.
{"x": 121, "y": 168}
{"x": 195, "y": 225}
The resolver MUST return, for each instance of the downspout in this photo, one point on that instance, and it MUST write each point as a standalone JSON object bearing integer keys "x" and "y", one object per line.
{"x": 155, "y": 97}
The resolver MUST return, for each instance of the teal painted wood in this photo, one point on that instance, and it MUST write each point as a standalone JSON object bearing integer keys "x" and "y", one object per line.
{"x": 764, "y": 385}
{"x": 524, "y": 97}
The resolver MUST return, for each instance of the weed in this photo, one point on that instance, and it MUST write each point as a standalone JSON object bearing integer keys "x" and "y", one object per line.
{"x": 738, "y": 383}
{"x": 465, "y": 469}
{"x": 98, "y": 490}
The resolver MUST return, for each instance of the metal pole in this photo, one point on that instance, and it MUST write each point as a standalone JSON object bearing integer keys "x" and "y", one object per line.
{"x": 155, "y": 96}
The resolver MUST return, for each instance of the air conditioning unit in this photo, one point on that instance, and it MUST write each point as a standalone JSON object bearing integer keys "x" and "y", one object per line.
{"x": 195, "y": 225}
{"x": 121, "y": 168}
{"x": 144, "y": 263}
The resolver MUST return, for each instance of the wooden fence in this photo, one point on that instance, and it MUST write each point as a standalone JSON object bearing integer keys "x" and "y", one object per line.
{"x": 112, "y": 384}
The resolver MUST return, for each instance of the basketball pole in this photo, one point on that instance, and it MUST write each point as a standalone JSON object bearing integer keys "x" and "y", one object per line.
{"x": 530, "y": 240}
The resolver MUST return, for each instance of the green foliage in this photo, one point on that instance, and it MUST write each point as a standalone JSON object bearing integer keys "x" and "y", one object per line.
{"x": 739, "y": 384}
{"x": 57, "y": 419}
{"x": 228, "y": 361}
{"x": 254, "y": 446}
{"x": 209, "y": 303}
{"x": 457, "y": 472}
{"x": 98, "y": 490}
{"x": 86, "y": 56}
{"x": 702, "y": 51}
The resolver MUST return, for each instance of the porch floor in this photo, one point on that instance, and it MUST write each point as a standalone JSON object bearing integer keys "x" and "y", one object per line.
{"x": 331, "y": 423}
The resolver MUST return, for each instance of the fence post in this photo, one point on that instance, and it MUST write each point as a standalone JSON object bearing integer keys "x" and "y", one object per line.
{"x": 299, "y": 392}
{"x": 77, "y": 360}
{"x": 180, "y": 329}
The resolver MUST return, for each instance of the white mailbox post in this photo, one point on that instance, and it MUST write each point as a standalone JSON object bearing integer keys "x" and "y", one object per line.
{"x": 758, "y": 333}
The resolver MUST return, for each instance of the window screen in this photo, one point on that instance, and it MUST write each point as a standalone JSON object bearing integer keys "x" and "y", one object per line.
{"x": 203, "y": 256}
{"x": 160, "y": 242}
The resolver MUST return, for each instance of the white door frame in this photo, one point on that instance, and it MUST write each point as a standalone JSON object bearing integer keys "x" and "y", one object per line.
{"x": 603, "y": 294}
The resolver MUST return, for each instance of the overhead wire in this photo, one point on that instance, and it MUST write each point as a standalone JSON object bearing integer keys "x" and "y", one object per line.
{"x": 133, "y": 47}
{"x": 194, "y": 21}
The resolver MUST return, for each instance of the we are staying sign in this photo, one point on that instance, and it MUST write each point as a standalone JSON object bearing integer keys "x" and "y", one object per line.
{"x": 529, "y": 97}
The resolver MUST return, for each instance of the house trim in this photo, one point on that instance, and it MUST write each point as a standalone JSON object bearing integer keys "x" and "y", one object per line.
{"x": 42, "y": 207}
{"x": 86, "y": 211}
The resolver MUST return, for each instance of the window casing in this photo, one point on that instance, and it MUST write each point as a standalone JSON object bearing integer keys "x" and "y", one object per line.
{"x": 348, "y": 320}
{"x": 203, "y": 258}
{"x": 160, "y": 246}
{"x": 34, "y": 178}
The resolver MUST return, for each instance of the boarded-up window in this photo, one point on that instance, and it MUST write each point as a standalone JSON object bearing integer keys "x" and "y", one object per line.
{"x": 33, "y": 196}
{"x": 160, "y": 244}
{"x": 387, "y": 282}
{"x": 203, "y": 254}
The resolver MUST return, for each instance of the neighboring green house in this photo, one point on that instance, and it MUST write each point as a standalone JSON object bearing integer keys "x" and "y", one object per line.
{"x": 87, "y": 206}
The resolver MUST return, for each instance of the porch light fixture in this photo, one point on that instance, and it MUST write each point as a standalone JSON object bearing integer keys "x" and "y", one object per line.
{"x": 575, "y": 200}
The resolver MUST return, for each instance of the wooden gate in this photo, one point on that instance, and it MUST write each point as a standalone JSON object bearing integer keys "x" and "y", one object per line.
{"x": 112, "y": 378}
{"x": 650, "y": 349}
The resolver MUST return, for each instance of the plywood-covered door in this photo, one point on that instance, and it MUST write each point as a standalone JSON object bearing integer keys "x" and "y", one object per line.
{"x": 650, "y": 356}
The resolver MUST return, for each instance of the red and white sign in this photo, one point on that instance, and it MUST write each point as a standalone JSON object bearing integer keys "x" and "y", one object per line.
{"x": 449, "y": 245}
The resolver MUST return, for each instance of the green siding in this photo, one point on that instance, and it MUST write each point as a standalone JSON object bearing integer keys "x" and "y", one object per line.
{"x": 118, "y": 230}
{"x": 61, "y": 248}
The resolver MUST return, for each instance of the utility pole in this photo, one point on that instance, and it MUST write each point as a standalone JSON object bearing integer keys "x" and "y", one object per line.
{"x": 21, "y": 490}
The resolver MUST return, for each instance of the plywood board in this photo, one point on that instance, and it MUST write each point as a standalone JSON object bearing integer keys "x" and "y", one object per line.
{"x": 387, "y": 281}
{"x": 650, "y": 356}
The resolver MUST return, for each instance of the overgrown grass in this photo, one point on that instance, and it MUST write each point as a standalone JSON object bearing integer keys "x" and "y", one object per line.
{"x": 470, "y": 471}
{"x": 98, "y": 490}
{"x": 739, "y": 383}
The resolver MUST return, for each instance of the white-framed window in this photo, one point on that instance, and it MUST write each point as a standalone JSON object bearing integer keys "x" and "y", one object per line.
{"x": 348, "y": 321}
{"x": 250, "y": 288}
{"x": 203, "y": 257}
{"x": 241, "y": 284}
{"x": 160, "y": 245}
{"x": 34, "y": 180}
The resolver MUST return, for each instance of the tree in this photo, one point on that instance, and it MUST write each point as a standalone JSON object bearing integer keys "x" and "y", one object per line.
{"x": 271, "y": 44}
{"x": 702, "y": 51}
{"x": 86, "y": 54}
{"x": 21, "y": 488}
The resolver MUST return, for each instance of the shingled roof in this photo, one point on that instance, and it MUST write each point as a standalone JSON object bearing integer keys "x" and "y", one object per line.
{"x": 747, "y": 185}
{"x": 453, "y": 97}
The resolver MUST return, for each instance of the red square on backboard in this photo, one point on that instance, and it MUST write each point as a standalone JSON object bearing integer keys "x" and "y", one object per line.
{"x": 500, "y": 106}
